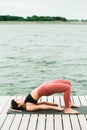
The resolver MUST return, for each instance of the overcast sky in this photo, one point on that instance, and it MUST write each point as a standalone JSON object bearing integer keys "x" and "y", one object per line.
{"x": 71, "y": 9}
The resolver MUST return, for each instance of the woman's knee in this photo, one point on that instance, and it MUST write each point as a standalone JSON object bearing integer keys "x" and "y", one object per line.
{"x": 68, "y": 82}
{"x": 69, "y": 88}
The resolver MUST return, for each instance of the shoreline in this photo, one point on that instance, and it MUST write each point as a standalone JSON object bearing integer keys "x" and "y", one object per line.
{"x": 44, "y": 22}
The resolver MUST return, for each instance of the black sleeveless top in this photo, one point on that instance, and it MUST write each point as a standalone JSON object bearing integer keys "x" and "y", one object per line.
{"x": 30, "y": 99}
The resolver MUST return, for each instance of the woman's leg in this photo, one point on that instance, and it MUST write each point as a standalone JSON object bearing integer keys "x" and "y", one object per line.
{"x": 58, "y": 87}
{"x": 67, "y": 96}
{"x": 68, "y": 103}
{"x": 62, "y": 81}
{"x": 66, "y": 88}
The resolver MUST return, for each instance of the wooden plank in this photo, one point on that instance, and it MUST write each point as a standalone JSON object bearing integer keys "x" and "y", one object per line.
{"x": 33, "y": 122}
{"x": 19, "y": 97}
{"x": 58, "y": 122}
{"x": 41, "y": 122}
{"x": 50, "y": 99}
{"x": 66, "y": 122}
{"x": 44, "y": 99}
{"x": 49, "y": 122}
{"x": 8, "y": 104}
{"x": 76, "y": 100}
{"x": 86, "y": 97}
{"x": 57, "y": 100}
{"x": 83, "y": 100}
{"x": 3, "y": 103}
{"x": 62, "y": 101}
{"x": 83, "y": 122}
{"x": 24, "y": 122}
{"x": 1, "y": 98}
{"x": 86, "y": 117}
{"x": 74, "y": 122}
{"x": 8, "y": 122}
{"x": 2, "y": 119}
{"x": 16, "y": 122}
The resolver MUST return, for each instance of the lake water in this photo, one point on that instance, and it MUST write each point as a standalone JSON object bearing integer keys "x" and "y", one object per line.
{"x": 31, "y": 54}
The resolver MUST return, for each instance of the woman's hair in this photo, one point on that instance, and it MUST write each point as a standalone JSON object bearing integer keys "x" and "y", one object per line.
{"x": 14, "y": 105}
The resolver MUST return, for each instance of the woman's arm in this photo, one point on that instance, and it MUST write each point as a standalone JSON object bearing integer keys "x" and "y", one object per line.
{"x": 48, "y": 103}
{"x": 33, "y": 107}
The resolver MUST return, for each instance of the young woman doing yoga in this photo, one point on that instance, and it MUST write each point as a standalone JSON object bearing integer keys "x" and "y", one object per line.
{"x": 46, "y": 89}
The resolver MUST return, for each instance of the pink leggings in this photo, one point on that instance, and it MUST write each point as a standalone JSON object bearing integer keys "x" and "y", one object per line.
{"x": 56, "y": 86}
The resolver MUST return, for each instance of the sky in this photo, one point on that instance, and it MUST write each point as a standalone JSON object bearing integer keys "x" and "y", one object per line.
{"x": 70, "y": 9}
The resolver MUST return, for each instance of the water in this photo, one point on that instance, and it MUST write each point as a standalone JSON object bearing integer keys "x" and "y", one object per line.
{"x": 31, "y": 54}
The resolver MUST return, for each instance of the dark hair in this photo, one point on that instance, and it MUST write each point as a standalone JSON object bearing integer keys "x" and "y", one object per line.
{"x": 14, "y": 105}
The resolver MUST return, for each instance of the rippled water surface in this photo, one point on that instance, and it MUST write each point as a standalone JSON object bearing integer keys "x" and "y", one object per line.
{"x": 34, "y": 53}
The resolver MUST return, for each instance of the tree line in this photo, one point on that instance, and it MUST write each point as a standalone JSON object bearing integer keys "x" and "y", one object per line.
{"x": 32, "y": 18}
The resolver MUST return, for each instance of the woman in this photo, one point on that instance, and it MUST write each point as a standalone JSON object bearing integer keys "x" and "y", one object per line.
{"x": 48, "y": 88}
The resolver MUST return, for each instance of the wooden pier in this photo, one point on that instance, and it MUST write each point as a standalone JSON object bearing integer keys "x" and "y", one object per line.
{"x": 42, "y": 121}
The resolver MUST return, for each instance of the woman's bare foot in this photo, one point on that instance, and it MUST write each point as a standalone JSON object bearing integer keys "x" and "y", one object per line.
{"x": 70, "y": 111}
